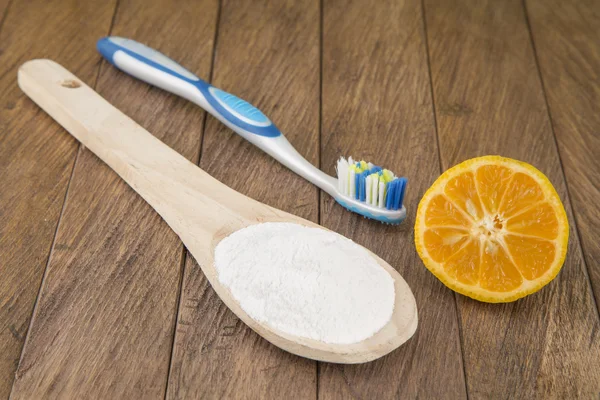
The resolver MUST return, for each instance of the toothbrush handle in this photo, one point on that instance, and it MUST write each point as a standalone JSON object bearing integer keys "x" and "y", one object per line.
{"x": 246, "y": 120}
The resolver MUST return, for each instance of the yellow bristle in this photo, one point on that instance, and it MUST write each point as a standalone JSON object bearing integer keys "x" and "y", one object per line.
{"x": 387, "y": 175}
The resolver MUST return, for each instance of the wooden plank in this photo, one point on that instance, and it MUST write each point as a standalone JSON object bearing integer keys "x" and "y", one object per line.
{"x": 377, "y": 105}
{"x": 36, "y": 159}
{"x": 567, "y": 42}
{"x": 105, "y": 318}
{"x": 489, "y": 100}
{"x": 3, "y": 9}
{"x": 268, "y": 54}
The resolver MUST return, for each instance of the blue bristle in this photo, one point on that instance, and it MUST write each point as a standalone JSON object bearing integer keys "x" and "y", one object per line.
{"x": 362, "y": 184}
{"x": 396, "y": 190}
{"x": 393, "y": 186}
{"x": 403, "y": 181}
{"x": 397, "y": 193}
{"x": 365, "y": 175}
{"x": 356, "y": 186}
{"x": 390, "y": 194}
{"x": 375, "y": 169}
{"x": 389, "y": 200}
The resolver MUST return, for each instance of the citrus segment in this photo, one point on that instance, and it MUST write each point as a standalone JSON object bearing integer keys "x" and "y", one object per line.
{"x": 493, "y": 229}
{"x": 531, "y": 255}
{"x": 464, "y": 265}
{"x": 498, "y": 273}
{"x": 441, "y": 243}
{"x": 443, "y": 213}
{"x": 522, "y": 192}
{"x": 461, "y": 190}
{"x": 492, "y": 181}
{"x": 538, "y": 221}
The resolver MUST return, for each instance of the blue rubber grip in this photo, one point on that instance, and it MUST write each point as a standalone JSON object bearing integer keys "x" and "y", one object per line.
{"x": 238, "y": 112}
{"x": 241, "y": 107}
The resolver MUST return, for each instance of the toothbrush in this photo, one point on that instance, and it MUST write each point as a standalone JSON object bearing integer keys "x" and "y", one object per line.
{"x": 360, "y": 187}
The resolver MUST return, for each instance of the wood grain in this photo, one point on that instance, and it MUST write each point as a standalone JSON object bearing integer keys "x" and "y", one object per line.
{"x": 268, "y": 54}
{"x": 36, "y": 159}
{"x": 104, "y": 322}
{"x": 489, "y": 100}
{"x": 3, "y": 10}
{"x": 567, "y": 43}
{"x": 377, "y": 106}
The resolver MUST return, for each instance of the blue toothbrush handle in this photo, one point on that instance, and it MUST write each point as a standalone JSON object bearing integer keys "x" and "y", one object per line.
{"x": 157, "y": 69}
{"x": 248, "y": 121}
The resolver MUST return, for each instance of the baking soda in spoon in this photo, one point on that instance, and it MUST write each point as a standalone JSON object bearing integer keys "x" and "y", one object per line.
{"x": 306, "y": 282}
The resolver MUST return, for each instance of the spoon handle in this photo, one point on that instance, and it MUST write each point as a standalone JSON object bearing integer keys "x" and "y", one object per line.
{"x": 193, "y": 203}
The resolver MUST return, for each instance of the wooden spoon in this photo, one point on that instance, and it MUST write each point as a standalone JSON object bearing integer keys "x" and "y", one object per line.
{"x": 200, "y": 209}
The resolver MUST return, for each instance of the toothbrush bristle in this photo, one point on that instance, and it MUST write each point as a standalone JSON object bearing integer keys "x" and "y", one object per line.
{"x": 370, "y": 184}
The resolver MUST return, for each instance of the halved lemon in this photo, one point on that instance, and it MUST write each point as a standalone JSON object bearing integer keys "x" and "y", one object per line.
{"x": 493, "y": 229}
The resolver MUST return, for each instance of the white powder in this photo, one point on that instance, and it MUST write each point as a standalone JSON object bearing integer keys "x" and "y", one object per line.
{"x": 306, "y": 282}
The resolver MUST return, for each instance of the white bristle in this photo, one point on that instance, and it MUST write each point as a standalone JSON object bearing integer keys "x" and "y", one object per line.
{"x": 381, "y": 193}
{"x": 346, "y": 183}
{"x": 375, "y": 189}
{"x": 369, "y": 190}
{"x": 352, "y": 186}
{"x": 338, "y": 168}
{"x": 347, "y": 180}
{"x": 342, "y": 173}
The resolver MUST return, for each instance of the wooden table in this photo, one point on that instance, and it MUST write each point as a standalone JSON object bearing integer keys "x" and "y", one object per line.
{"x": 98, "y": 297}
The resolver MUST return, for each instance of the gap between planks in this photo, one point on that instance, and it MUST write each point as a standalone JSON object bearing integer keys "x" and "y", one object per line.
{"x": 320, "y": 135}
{"x": 560, "y": 158}
{"x": 184, "y": 253}
{"x": 437, "y": 139}
{"x": 3, "y": 16}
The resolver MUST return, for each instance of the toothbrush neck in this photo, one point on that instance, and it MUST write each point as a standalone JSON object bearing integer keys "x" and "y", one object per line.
{"x": 280, "y": 149}
{"x": 277, "y": 147}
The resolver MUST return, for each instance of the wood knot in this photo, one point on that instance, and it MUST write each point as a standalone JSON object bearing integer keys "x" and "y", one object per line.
{"x": 455, "y": 109}
{"x": 71, "y": 84}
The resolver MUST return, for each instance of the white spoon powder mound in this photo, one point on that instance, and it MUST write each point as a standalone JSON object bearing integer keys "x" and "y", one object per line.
{"x": 306, "y": 282}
